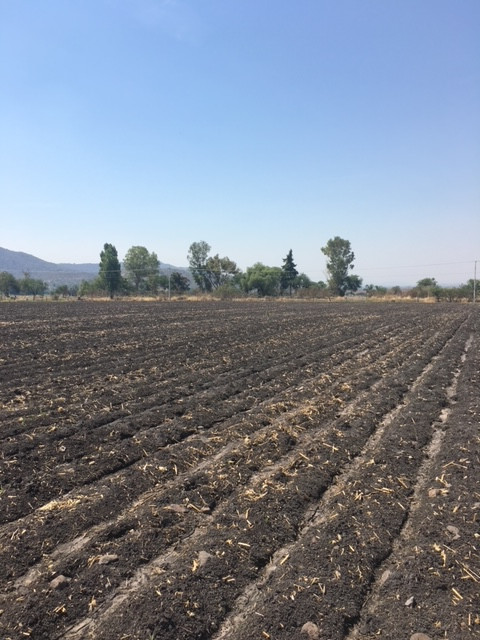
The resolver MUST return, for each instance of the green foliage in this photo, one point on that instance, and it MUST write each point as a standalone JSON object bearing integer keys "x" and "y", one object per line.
{"x": 209, "y": 272}
{"x": 197, "y": 259}
{"x": 179, "y": 283}
{"x": 266, "y": 281}
{"x": 31, "y": 286}
{"x": 468, "y": 289}
{"x": 340, "y": 261}
{"x": 463, "y": 292}
{"x": 90, "y": 287}
{"x": 289, "y": 274}
{"x": 427, "y": 283}
{"x": 426, "y": 288}
{"x": 97, "y": 287}
{"x": 352, "y": 283}
{"x": 62, "y": 290}
{"x": 375, "y": 290}
{"x": 302, "y": 281}
{"x": 110, "y": 275}
{"x": 142, "y": 269}
{"x": 314, "y": 290}
{"x": 8, "y": 284}
{"x": 220, "y": 271}
{"x": 227, "y": 291}
{"x": 162, "y": 281}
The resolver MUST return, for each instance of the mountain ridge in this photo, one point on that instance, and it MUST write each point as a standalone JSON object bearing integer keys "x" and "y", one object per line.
{"x": 54, "y": 273}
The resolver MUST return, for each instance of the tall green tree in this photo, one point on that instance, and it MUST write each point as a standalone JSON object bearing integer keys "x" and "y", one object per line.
{"x": 289, "y": 273}
{"x": 340, "y": 262}
{"x": 197, "y": 259}
{"x": 110, "y": 273}
{"x": 142, "y": 269}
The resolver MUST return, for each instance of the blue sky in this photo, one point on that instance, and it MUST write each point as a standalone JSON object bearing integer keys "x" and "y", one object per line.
{"x": 257, "y": 126}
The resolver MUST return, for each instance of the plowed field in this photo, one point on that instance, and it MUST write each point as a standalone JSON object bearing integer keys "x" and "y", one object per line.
{"x": 234, "y": 471}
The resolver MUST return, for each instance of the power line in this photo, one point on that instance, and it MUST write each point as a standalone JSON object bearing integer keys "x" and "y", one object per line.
{"x": 413, "y": 266}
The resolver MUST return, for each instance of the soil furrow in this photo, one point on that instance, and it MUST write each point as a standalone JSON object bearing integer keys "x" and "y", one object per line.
{"x": 259, "y": 559}
{"x": 134, "y": 447}
{"x": 257, "y": 464}
{"x": 441, "y": 534}
{"x": 335, "y": 531}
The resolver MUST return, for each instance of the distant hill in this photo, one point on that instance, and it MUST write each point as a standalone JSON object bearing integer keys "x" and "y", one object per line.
{"x": 18, "y": 263}
{"x": 55, "y": 274}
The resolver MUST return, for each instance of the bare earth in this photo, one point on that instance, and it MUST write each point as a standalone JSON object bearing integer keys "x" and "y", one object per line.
{"x": 234, "y": 471}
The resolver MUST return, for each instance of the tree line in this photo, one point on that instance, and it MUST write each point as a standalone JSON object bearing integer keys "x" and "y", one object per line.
{"x": 26, "y": 286}
{"x": 214, "y": 272}
{"x": 140, "y": 275}
{"x": 221, "y": 274}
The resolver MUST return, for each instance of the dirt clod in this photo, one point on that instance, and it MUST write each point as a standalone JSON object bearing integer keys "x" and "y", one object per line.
{"x": 311, "y": 630}
{"x": 60, "y": 582}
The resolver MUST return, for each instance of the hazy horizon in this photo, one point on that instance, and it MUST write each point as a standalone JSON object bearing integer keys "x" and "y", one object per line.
{"x": 405, "y": 284}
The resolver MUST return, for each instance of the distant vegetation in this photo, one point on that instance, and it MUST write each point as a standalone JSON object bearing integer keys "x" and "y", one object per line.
{"x": 11, "y": 286}
{"x": 140, "y": 274}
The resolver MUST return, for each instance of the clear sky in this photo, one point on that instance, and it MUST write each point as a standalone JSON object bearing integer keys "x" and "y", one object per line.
{"x": 258, "y": 126}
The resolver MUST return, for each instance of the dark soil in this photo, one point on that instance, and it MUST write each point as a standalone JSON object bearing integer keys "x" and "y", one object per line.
{"x": 239, "y": 470}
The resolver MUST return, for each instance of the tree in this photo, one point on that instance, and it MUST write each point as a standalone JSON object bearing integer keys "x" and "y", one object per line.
{"x": 209, "y": 272}
{"x": 426, "y": 287}
{"x": 142, "y": 269}
{"x": 462, "y": 292}
{"x": 289, "y": 274}
{"x": 87, "y": 288}
{"x": 375, "y": 290}
{"x": 220, "y": 271}
{"x": 353, "y": 283}
{"x": 178, "y": 282}
{"x": 262, "y": 279}
{"x": 340, "y": 261}
{"x": 110, "y": 275}
{"x": 197, "y": 259}
{"x": 62, "y": 290}
{"x": 452, "y": 293}
{"x": 302, "y": 281}
{"x": 162, "y": 281}
{"x": 427, "y": 282}
{"x": 467, "y": 290}
{"x": 8, "y": 284}
{"x": 32, "y": 286}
